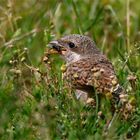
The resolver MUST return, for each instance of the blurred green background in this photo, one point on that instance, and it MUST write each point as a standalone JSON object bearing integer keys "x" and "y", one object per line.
{"x": 34, "y": 108}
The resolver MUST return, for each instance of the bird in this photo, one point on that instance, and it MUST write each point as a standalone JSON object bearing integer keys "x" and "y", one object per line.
{"x": 87, "y": 69}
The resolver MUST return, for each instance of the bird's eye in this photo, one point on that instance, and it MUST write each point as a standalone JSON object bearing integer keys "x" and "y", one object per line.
{"x": 71, "y": 44}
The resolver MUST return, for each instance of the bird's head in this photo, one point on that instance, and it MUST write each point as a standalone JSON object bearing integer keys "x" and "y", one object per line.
{"x": 74, "y": 47}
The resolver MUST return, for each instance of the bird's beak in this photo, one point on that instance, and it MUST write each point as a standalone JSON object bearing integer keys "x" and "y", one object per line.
{"x": 56, "y": 47}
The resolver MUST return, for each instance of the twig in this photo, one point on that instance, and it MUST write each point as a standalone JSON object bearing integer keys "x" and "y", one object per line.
{"x": 32, "y": 68}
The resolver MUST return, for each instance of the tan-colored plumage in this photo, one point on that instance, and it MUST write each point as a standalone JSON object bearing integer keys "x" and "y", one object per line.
{"x": 97, "y": 72}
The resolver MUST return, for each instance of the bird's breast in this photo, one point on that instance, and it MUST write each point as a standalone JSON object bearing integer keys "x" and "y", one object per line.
{"x": 90, "y": 72}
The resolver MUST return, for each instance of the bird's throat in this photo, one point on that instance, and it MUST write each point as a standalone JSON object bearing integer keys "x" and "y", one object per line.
{"x": 71, "y": 57}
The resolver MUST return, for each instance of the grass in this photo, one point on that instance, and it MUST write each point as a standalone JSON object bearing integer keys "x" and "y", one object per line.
{"x": 34, "y": 104}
